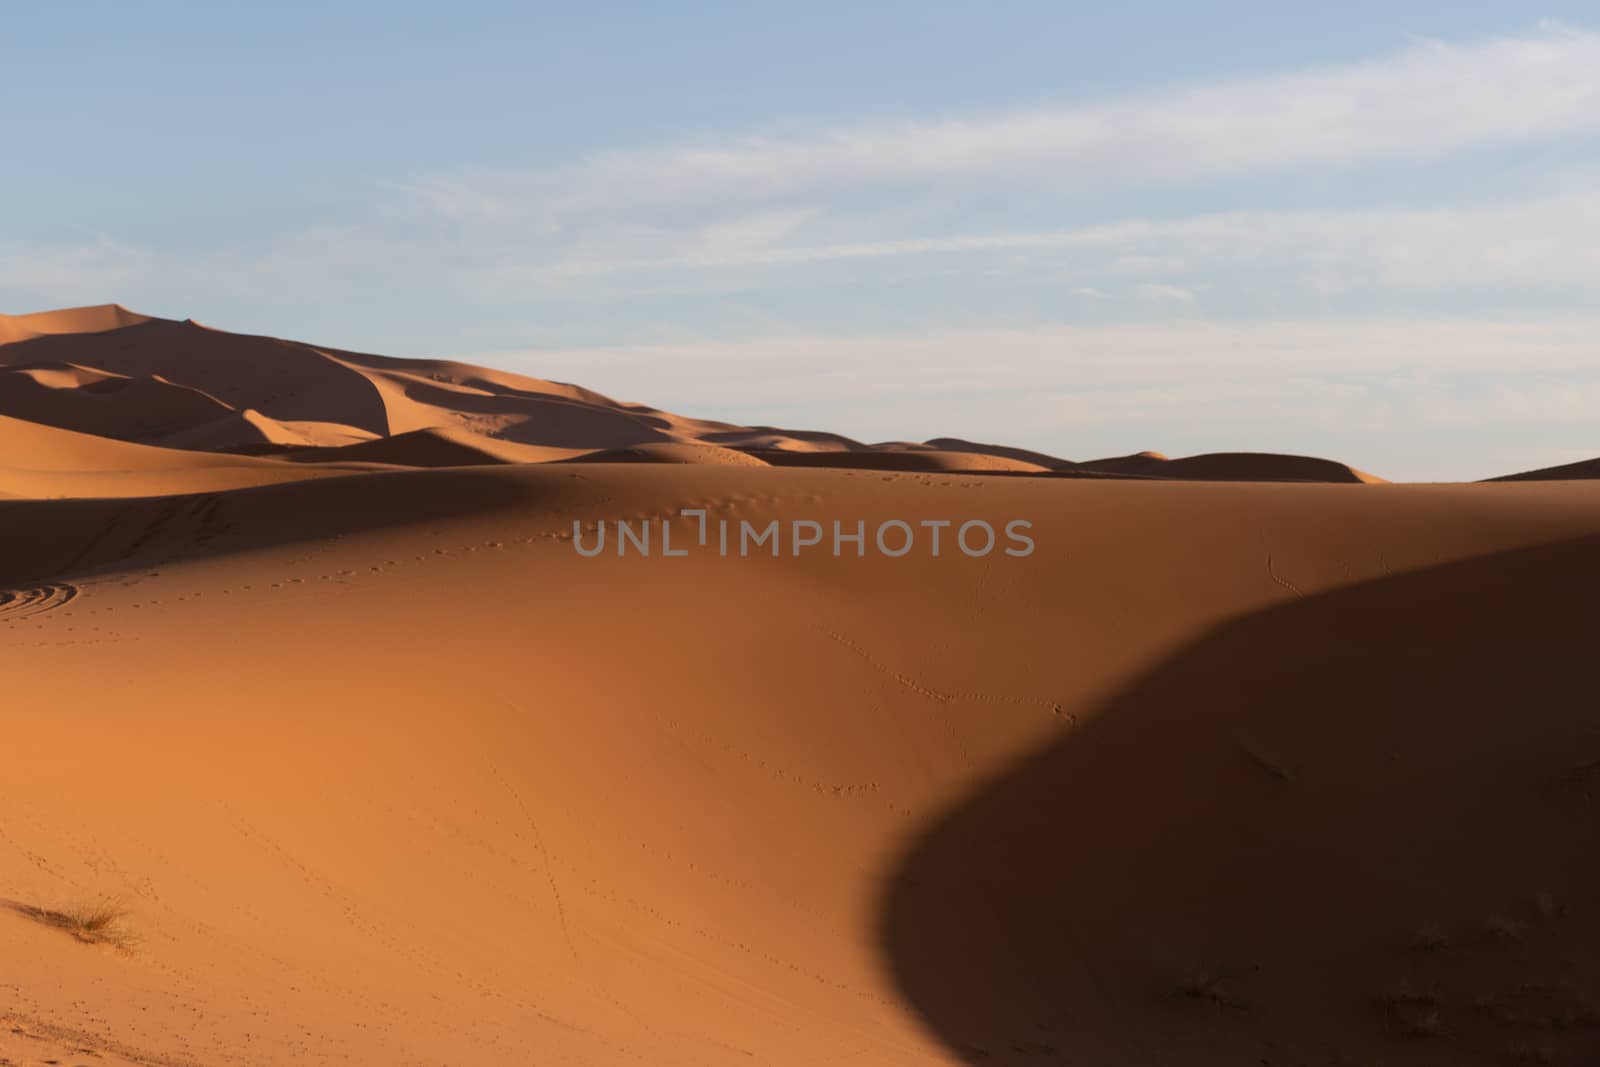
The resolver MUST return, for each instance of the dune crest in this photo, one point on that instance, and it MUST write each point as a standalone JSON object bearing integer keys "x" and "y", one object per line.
{"x": 98, "y": 318}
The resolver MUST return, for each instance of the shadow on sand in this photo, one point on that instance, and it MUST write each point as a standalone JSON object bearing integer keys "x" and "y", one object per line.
{"x": 1357, "y": 828}
{"x": 43, "y": 540}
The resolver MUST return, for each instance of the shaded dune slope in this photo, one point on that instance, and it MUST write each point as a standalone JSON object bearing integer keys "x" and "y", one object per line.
{"x": 1582, "y": 470}
{"x": 1311, "y": 821}
{"x": 1231, "y": 467}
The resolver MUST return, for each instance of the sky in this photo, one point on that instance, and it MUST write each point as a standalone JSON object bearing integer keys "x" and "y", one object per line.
{"x": 1369, "y": 232}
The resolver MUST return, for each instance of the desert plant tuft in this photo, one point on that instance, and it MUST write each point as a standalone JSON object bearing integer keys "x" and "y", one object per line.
{"x": 100, "y": 922}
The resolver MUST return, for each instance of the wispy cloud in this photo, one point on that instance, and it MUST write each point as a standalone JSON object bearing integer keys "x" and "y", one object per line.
{"x": 677, "y": 215}
{"x": 1548, "y": 241}
{"x": 1431, "y": 98}
{"x": 102, "y": 264}
{"x": 853, "y": 196}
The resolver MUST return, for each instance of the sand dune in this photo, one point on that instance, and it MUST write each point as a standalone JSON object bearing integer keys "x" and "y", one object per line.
{"x": 296, "y": 385}
{"x": 112, "y": 372}
{"x": 901, "y": 459}
{"x": 673, "y": 452}
{"x": 362, "y": 762}
{"x": 103, "y": 403}
{"x": 67, "y": 320}
{"x": 423, "y": 448}
{"x": 956, "y": 444}
{"x": 47, "y": 462}
{"x": 679, "y": 844}
{"x": 1583, "y": 469}
{"x": 1231, "y": 467}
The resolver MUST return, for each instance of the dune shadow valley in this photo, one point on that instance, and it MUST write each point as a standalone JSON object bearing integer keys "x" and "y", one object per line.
{"x": 363, "y": 710}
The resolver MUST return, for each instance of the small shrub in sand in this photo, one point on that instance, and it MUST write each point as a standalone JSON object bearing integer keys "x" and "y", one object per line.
{"x": 102, "y": 922}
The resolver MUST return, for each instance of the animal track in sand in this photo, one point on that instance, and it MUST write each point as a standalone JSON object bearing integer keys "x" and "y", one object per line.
{"x": 35, "y": 600}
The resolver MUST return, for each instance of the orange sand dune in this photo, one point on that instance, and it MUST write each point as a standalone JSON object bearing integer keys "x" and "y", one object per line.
{"x": 334, "y": 747}
{"x": 295, "y": 384}
{"x": 901, "y": 459}
{"x": 382, "y": 771}
{"x": 1039, "y": 459}
{"x": 100, "y": 402}
{"x": 673, "y": 452}
{"x": 249, "y": 431}
{"x": 108, "y": 371}
{"x": 67, "y": 320}
{"x": 44, "y": 461}
{"x": 424, "y": 448}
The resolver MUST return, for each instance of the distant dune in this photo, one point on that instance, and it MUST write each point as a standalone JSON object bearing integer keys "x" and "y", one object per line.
{"x": 114, "y": 373}
{"x": 68, "y": 320}
{"x": 1583, "y": 469}
{"x": 48, "y": 462}
{"x": 1232, "y": 467}
{"x": 323, "y": 744}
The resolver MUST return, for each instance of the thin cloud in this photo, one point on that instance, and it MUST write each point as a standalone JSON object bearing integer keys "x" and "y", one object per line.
{"x": 1547, "y": 241}
{"x": 1430, "y": 98}
{"x": 783, "y": 368}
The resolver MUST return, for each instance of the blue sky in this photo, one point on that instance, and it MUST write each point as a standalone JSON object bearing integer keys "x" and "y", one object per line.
{"x": 1370, "y": 232}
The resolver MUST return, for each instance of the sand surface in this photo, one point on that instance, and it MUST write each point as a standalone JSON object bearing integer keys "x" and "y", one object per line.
{"x": 366, "y": 764}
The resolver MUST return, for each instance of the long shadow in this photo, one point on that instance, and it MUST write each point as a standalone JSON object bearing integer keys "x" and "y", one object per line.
{"x": 42, "y": 540}
{"x": 1358, "y": 828}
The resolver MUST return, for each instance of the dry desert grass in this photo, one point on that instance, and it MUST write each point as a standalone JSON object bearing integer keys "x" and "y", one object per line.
{"x": 98, "y": 922}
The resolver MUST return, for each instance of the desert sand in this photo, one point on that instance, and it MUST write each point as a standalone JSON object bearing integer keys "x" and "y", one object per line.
{"x": 322, "y": 745}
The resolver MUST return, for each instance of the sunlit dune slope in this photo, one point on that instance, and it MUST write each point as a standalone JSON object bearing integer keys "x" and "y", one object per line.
{"x": 67, "y": 320}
